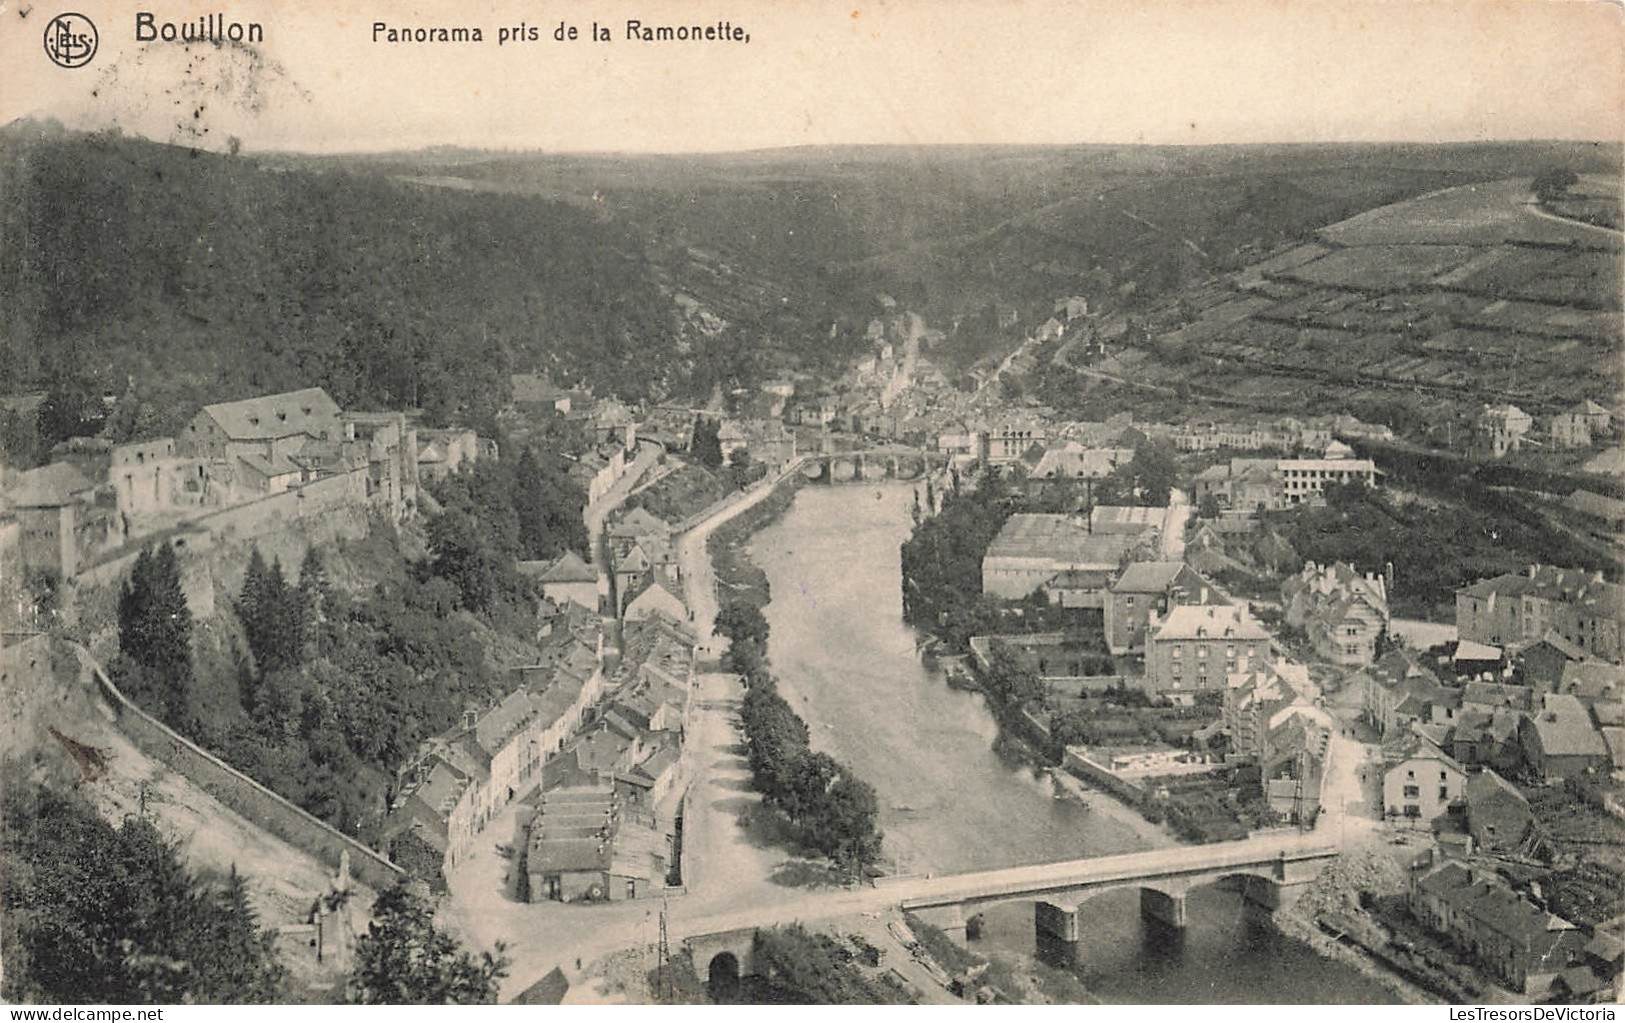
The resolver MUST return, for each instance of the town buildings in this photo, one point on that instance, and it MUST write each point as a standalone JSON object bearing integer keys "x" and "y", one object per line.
{"x": 1272, "y": 724}
{"x": 584, "y": 845}
{"x": 1032, "y": 549}
{"x": 766, "y": 440}
{"x": 1198, "y": 647}
{"x": 60, "y": 519}
{"x": 565, "y": 578}
{"x": 461, "y": 779}
{"x": 1559, "y": 738}
{"x": 1515, "y": 609}
{"x": 1525, "y": 947}
{"x": 1500, "y": 429}
{"x": 1420, "y": 781}
{"x": 1396, "y": 691}
{"x": 1342, "y": 611}
{"x": 1270, "y": 484}
{"x": 1149, "y": 588}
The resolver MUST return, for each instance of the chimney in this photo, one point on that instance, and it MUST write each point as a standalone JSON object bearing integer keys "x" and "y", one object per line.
{"x": 1204, "y": 595}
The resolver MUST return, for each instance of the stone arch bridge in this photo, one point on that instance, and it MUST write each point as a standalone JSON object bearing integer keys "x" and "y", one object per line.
{"x": 1269, "y": 870}
{"x": 871, "y": 465}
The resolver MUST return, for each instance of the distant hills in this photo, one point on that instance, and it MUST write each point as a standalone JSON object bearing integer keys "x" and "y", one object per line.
{"x": 423, "y": 279}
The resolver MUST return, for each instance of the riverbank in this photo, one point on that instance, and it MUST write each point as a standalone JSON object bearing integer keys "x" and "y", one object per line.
{"x": 1334, "y": 900}
{"x": 734, "y": 571}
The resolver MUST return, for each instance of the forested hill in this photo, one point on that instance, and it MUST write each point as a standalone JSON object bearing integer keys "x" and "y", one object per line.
{"x": 207, "y": 277}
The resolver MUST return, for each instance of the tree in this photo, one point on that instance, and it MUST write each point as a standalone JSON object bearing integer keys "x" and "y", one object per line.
{"x": 94, "y": 913}
{"x": 1208, "y": 507}
{"x": 72, "y": 408}
{"x": 315, "y": 592}
{"x": 20, "y": 439}
{"x": 404, "y": 959}
{"x": 273, "y": 614}
{"x": 155, "y": 631}
{"x": 740, "y": 470}
{"x": 742, "y": 623}
{"x": 707, "y": 448}
{"x": 459, "y": 554}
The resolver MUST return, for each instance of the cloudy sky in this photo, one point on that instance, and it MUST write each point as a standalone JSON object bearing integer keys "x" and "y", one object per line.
{"x": 947, "y": 71}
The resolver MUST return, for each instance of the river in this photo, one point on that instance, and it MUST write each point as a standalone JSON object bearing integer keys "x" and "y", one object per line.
{"x": 847, "y": 663}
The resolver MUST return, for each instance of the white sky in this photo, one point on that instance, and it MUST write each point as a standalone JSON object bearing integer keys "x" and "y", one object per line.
{"x": 949, "y": 71}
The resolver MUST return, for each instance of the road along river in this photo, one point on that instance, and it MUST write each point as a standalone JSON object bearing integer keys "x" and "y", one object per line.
{"x": 847, "y": 663}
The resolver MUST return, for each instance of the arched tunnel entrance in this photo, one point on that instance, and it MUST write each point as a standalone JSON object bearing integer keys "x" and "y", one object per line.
{"x": 722, "y": 977}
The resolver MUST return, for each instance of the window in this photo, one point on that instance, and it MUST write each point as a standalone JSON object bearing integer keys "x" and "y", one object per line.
{"x": 1444, "y": 794}
{"x": 1178, "y": 651}
{"x": 1412, "y": 791}
{"x": 1443, "y": 776}
{"x": 1130, "y": 601}
{"x": 1201, "y": 651}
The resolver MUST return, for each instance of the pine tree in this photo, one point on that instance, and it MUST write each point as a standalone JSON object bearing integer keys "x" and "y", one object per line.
{"x": 315, "y": 592}
{"x": 708, "y": 443}
{"x": 155, "y": 631}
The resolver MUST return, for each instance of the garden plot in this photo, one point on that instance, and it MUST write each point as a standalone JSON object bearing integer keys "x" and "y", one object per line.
{"x": 1384, "y": 267}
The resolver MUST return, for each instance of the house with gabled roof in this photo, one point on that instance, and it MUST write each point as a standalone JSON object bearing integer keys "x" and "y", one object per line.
{"x": 1396, "y": 690}
{"x": 1419, "y": 779}
{"x": 1146, "y": 588}
{"x": 1560, "y": 740}
{"x": 567, "y": 578}
{"x": 1498, "y": 815}
{"x": 1342, "y": 611}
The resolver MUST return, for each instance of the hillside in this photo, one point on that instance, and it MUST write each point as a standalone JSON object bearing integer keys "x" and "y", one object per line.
{"x": 1413, "y": 311}
{"x": 422, "y": 279}
{"x": 204, "y": 276}
{"x": 950, "y": 230}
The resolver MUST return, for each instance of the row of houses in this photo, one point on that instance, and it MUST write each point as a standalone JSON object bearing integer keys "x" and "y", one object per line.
{"x": 1517, "y": 609}
{"x": 1286, "y": 433}
{"x": 1577, "y": 727}
{"x": 604, "y": 826}
{"x": 1527, "y": 947}
{"x": 460, "y": 780}
{"x": 1503, "y": 429}
{"x": 1272, "y": 723}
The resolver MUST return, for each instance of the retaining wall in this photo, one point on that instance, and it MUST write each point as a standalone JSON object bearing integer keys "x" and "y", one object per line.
{"x": 1100, "y": 775}
{"x": 253, "y": 801}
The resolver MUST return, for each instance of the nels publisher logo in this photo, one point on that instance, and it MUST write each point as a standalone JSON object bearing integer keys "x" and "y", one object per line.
{"x": 70, "y": 40}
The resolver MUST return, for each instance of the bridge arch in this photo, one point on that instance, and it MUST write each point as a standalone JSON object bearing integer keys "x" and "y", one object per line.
{"x": 722, "y": 976}
{"x": 723, "y": 958}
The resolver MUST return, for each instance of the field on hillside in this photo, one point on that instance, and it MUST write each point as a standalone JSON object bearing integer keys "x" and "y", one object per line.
{"x": 1459, "y": 297}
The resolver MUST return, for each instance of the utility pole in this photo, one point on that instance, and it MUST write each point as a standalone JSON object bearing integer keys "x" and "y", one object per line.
{"x": 665, "y": 982}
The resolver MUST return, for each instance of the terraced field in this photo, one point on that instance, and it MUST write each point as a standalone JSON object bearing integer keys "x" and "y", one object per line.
{"x": 1468, "y": 294}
